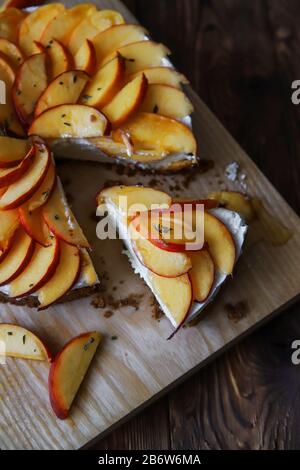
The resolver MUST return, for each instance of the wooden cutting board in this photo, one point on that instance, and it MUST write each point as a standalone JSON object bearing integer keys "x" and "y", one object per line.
{"x": 140, "y": 364}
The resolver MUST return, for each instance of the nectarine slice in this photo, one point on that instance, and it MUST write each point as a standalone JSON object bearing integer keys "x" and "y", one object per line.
{"x": 92, "y": 25}
{"x": 33, "y": 26}
{"x": 23, "y": 343}
{"x": 104, "y": 84}
{"x": 20, "y": 191}
{"x": 88, "y": 274}
{"x": 64, "y": 89}
{"x": 34, "y": 225}
{"x": 140, "y": 55}
{"x": 175, "y": 294}
{"x": 11, "y": 52}
{"x": 235, "y": 201}
{"x": 163, "y": 76}
{"x": 59, "y": 284}
{"x": 12, "y": 151}
{"x": 31, "y": 81}
{"x": 60, "y": 59}
{"x": 70, "y": 120}
{"x": 220, "y": 243}
{"x": 8, "y": 117}
{"x": 69, "y": 369}
{"x": 151, "y": 131}
{"x": 85, "y": 58}
{"x": 61, "y": 221}
{"x": 113, "y": 38}
{"x": 10, "y": 21}
{"x": 167, "y": 101}
{"x": 40, "y": 197}
{"x": 9, "y": 222}
{"x": 17, "y": 258}
{"x": 12, "y": 174}
{"x": 202, "y": 274}
{"x": 38, "y": 271}
{"x": 126, "y": 102}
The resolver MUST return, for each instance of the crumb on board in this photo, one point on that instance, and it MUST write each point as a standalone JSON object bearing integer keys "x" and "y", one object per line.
{"x": 235, "y": 312}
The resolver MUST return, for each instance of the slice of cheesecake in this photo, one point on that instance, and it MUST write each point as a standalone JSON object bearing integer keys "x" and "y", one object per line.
{"x": 185, "y": 271}
{"x": 44, "y": 255}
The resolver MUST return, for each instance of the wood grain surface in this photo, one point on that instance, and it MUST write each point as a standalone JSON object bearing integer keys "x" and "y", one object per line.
{"x": 230, "y": 404}
{"x": 241, "y": 57}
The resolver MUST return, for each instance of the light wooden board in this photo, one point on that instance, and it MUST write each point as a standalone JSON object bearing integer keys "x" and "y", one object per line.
{"x": 141, "y": 365}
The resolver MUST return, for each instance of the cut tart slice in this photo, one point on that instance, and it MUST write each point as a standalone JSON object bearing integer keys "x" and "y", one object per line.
{"x": 43, "y": 257}
{"x": 184, "y": 277}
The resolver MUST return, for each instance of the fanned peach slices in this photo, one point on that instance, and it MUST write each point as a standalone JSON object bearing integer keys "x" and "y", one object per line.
{"x": 89, "y": 84}
{"x": 43, "y": 257}
{"x": 183, "y": 249}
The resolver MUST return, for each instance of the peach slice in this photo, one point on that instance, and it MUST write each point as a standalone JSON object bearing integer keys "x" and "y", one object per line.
{"x": 34, "y": 225}
{"x": 158, "y": 261}
{"x": 163, "y": 76}
{"x": 111, "y": 39}
{"x": 39, "y": 270}
{"x": 220, "y": 243}
{"x": 8, "y": 118}
{"x": 64, "y": 89}
{"x": 60, "y": 59}
{"x": 92, "y": 25}
{"x": 11, "y": 52}
{"x": 9, "y": 222}
{"x": 20, "y": 191}
{"x": 151, "y": 131}
{"x": 235, "y": 201}
{"x": 104, "y": 84}
{"x": 69, "y": 369}
{"x": 31, "y": 81}
{"x": 33, "y": 26}
{"x": 126, "y": 102}
{"x": 175, "y": 294}
{"x": 12, "y": 151}
{"x": 202, "y": 274}
{"x": 40, "y": 197}
{"x": 62, "y": 25}
{"x": 133, "y": 199}
{"x": 140, "y": 55}
{"x": 167, "y": 101}
{"x": 88, "y": 274}
{"x": 10, "y": 21}
{"x": 17, "y": 258}
{"x": 61, "y": 221}
{"x": 23, "y": 343}
{"x": 70, "y": 120}
{"x": 85, "y": 58}
{"x": 60, "y": 284}
{"x": 11, "y": 175}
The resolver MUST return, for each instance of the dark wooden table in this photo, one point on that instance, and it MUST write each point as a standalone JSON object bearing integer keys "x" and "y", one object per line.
{"x": 241, "y": 56}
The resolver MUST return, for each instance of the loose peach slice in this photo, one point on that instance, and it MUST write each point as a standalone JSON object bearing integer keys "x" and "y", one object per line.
{"x": 33, "y": 26}
{"x": 60, "y": 59}
{"x": 235, "y": 201}
{"x": 113, "y": 38}
{"x": 70, "y": 120}
{"x": 20, "y": 191}
{"x": 151, "y": 131}
{"x": 61, "y": 221}
{"x": 9, "y": 222}
{"x": 12, "y": 151}
{"x": 22, "y": 343}
{"x": 39, "y": 270}
{"x": 162, "y": 76}
{"x": 220, "y": 243}
{"x": 60, "y": 284}
{"x": 85, "y": 58}
{"x": 40, "y": 197}
{"x": 17, "y": 258}
{"x": 69, "y": 369}
{"x": 92, "y": 25}
{"x": 167, "y": 101}
{"x": 8, "y": 118}
{"x": 202, "y": 274}
{"x": 10, "y": 20}
{"x": 133, "y": 199}
{"x": 34, "y": 225}
{"x": 11, "y": 52}
{"x": 104, "y": 84}
{"x": 140, "y": 55}
{"x": 62, "y": 25}
{"x": 175, "y": 294}
{"x": 11, "y": 175}
{"x": 126, "y": 102}
{"x": 158, "y": 261}
{"x": 31, "y": 81}
{"x": 64, "y": 89}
